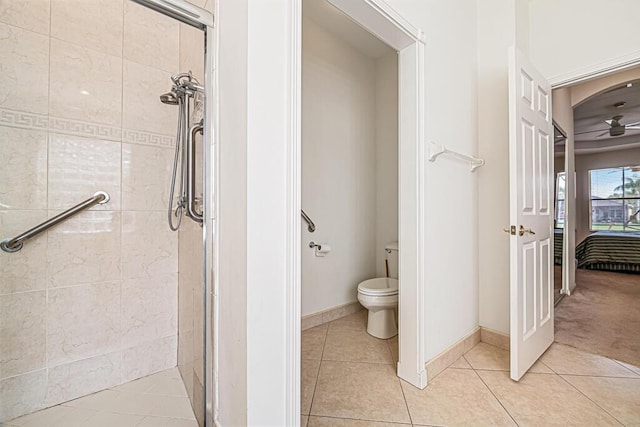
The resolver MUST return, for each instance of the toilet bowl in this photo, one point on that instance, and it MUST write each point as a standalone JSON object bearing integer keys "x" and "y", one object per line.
{"x": 380, "y": 297}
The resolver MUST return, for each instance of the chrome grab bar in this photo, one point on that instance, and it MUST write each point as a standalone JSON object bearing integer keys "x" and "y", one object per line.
{"x": 312, "y": 226}
{"x": 191, "y": 173}
{"x": 15, "y": 244}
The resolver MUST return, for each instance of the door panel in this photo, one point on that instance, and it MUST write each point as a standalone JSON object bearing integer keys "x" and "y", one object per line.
{"x": 531, "y": 212}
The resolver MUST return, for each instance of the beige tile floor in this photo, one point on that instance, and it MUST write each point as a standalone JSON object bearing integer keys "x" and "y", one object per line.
{"x": 348, "y": 379}
{"x": 159, "y": 400}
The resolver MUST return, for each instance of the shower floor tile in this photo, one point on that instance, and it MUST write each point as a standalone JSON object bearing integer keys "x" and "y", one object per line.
{"x": 157, "y": 400}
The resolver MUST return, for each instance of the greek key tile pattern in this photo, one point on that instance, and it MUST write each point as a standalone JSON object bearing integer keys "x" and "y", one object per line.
{"x": 24, "y": 120}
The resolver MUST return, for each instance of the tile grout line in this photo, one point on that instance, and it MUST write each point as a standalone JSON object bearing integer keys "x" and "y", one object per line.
{"x": 313, "y": 395}
{"x": 591, "y": 400}
{"x": 630, "y": 370}
{"x": 406, "y": 404}
{"x": 362, "y": 419}
{"x": 494, "y": 396}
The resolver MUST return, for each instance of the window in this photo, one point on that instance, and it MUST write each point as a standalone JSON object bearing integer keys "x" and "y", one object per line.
{"x": 560, "y": 186}
{"x": 615, "y": 199}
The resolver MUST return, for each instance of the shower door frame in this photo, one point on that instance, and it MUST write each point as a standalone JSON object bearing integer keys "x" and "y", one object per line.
{"x": 202, "y": 19}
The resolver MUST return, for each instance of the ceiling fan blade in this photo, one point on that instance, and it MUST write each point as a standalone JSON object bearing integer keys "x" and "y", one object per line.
{"x": 630, "y": 127}
{"x": 602, "y": 134}
{"x": 591, "y": 131}
{"x": 632, "y": 124}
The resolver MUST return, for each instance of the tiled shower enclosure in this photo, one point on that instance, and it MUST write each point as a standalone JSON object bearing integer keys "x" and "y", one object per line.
{"x": 112, "y": 294}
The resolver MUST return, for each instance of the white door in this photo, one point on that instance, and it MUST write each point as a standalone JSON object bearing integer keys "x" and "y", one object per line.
{"x": 531, "y": 213}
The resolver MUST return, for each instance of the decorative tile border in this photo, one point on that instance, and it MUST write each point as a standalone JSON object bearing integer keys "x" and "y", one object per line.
{"x": 326, "y": 316}
{"x": 24, "y": 120}
{"x": 87, "y": 129}
{"x": 147, "y": 138}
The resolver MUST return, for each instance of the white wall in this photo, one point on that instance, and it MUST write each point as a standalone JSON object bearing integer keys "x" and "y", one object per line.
{"x": 578, "y": 36}
{"x": 451, "y": 216}
{"x": 386, "y": 160}
{"x": 500, "y": 25}
{"x": 570, "y": 36}
{"x": 338, "y": 168}
{"x": 587, "y": 162}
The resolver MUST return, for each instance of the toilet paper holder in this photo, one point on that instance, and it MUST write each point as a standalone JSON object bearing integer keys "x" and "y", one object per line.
{"x": 313, "y": 244}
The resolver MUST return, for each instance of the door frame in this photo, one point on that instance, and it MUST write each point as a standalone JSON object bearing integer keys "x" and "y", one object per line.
{"x": 566, "y": 80}
{"x": 381, "y": 20}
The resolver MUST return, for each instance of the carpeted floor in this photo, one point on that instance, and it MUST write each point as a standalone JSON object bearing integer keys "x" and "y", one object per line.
{"x": 602, "y": 315}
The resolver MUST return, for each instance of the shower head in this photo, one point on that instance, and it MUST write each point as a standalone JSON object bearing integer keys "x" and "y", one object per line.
{"x": 169, "y": 98}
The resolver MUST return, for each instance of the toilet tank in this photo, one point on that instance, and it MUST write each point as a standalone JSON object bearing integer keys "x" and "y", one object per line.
{"x": 391, "y": 251}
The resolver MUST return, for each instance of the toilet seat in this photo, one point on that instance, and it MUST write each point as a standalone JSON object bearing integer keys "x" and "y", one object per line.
{"x": 379, "y": 287}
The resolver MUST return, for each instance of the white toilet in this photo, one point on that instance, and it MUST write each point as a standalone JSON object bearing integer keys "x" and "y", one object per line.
{"x": 380, "y": 297}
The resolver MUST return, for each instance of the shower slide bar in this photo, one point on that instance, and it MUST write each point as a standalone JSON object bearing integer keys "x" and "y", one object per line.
{"x": 312, "y": 226}
{"x": 15, "y": 244}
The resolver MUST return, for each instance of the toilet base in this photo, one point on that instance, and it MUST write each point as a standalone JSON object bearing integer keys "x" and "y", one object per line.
{"x": 382, "y": 323}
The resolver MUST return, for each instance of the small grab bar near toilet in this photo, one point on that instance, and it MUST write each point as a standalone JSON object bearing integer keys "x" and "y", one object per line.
{"x": 311, "y": 226}
{"x": 15, "y": 244}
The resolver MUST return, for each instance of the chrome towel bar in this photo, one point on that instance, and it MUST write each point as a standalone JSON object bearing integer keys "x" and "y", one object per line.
{"x": 15, "y": 244}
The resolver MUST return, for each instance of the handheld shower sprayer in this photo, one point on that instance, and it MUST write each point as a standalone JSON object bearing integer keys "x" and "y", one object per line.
{"x": 185, "y": 87}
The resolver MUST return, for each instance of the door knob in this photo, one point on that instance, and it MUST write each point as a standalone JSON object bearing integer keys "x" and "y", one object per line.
{"x": 525, "y": 230}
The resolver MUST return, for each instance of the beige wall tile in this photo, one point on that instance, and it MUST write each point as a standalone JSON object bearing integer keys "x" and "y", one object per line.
{"x": 23, "y": 176}
{"x": 86, "y": 84}
{"x": 75, "y": 314}
{"x": 76, "y": 379}
{"x": 27, "y": 14}
{"x": 22, "y": 332}
{"x": 150, "y": 38}
{"x": 24, "y": 270}
{"x": 146, "y": 177}
{"x": 149, "y": 248}
{"x": 24, "y": 81}
{"x": 85, "y": 249}
{"x": 143, "y": 110}
{"x": 78, "y": 167}
{"x": 185, "y": 303}
{"x": 96, "y": 24}
{"x": 22, "y": 394}
{"x": 149, "y": 309}
{"x": 149, "y": 358}
{"x": 455, "y": 397}
{"x": 192, "y": 51}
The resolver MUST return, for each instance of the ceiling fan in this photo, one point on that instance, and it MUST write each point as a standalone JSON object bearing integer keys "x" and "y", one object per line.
{"x": 618, "y": 129}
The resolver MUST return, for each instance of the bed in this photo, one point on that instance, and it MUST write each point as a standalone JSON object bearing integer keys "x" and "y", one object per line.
{"x": 610, "y": 251}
